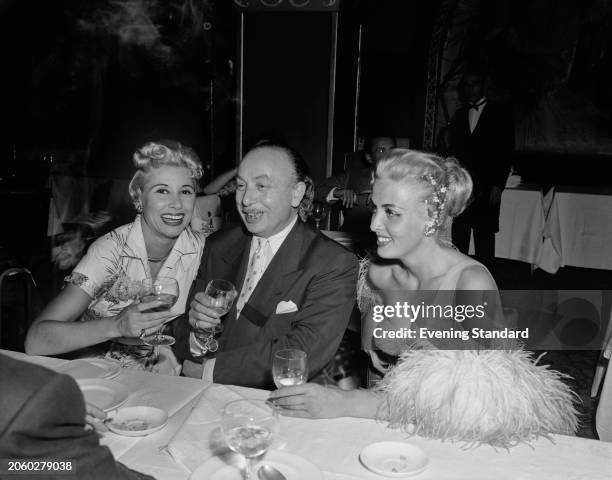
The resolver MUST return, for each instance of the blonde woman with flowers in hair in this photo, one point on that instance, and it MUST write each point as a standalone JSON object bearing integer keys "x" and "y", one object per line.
{"x": 97, "y": 312}
{"x": 452, "y": 390}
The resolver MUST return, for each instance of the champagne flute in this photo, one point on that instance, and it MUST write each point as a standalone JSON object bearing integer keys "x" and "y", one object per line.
{"x": 319, "y": 212}
{"x": 221, "y": 295}
{"x": 290, "y": 367}
{"x": 249, "y": 427}
{"x": 165, "y": 290}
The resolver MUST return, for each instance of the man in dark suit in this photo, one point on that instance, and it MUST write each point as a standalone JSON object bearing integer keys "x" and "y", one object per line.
{"x": 42, "y": 417}
{"x": 296, "y": 287}
{"x": 482, "y": 138}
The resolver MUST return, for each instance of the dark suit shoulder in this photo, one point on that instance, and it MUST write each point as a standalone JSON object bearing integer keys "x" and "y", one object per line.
{"x": 322, "y": 249}
{"x": 22, "y": 380}
{"x": 225, "y": 236}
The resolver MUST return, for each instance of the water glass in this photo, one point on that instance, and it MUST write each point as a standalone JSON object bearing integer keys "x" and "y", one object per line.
{"x": 249, "y": 427}
{"x": 290, "y": 367}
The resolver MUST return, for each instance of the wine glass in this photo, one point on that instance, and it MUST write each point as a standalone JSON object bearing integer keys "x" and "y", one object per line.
{"x": 221, "y": 295}
{"x": 165, "y": 290}
{"x": 290, "y": 367}
{"x": 319, "y": 212}
{"x": 249, "y": 427}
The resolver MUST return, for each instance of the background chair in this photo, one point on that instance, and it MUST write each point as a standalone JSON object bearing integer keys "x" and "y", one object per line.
{"x": 17, "y": 296}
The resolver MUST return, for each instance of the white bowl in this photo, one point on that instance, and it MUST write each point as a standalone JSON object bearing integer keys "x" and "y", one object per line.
{"x": 137, "y": 421}
{"x": 394, "y": 459}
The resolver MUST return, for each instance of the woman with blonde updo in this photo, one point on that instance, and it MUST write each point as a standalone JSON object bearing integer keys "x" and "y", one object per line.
{"x": 456, "y": 390}
{"x": 96, "y": 313}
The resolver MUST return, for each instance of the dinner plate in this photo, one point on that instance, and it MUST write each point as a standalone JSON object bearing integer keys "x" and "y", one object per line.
{"x": 104, "y": 394}
{"x": 394, "y": 459}
{"x": 90, "y": 368}
{"x": 231, "y": 467}
{"x": 137, "y": 421}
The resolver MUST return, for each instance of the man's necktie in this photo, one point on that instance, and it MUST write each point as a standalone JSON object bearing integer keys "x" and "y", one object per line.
{"x": 257, "y": 267}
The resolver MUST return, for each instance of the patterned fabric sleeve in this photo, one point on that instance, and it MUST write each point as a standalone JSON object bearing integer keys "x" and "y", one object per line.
{"x": 228, "y": 188}
{"x": 99, "y": 266}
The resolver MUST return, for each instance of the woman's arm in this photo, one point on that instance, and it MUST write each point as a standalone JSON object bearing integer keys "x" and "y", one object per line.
{"x": 217, "y": 183}
{"x": 316, "y": 401}
{"x": 56, "y": 330}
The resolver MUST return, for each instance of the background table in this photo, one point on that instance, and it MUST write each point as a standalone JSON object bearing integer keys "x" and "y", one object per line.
{"x": 578, "y": 230}
{"x": 521, "y": 224}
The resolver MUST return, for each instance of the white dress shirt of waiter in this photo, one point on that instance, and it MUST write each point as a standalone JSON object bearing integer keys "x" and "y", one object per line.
{"x": 269, "y": 198}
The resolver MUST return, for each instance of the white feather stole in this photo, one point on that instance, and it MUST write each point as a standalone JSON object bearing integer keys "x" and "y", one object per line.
{"x": 498, "y": 397}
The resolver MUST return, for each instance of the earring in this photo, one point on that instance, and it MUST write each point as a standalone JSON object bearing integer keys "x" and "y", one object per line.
{"x": 430, "y": 229}
{"x": 138, "y": 207}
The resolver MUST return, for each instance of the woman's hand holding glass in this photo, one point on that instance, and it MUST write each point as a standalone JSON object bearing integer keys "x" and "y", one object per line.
{"x": 206, "y": 311}
{"x": 139, "y": 317}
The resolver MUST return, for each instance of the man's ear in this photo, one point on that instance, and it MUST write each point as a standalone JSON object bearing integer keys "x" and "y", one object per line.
{"x": 297, "y": 194}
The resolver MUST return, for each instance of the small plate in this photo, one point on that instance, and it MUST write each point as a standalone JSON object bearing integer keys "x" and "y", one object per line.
{"x": 104, "y": 394}
{"x": 137, "y": 421}
{"x": 231, "y": 467}
{"x": 90, "y": 368}
{"x": 394, "y": 459}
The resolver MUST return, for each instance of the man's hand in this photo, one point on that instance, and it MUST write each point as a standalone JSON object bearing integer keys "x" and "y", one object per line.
{"x": 348, "y": 197}
{"x": 495, "y": 195}
{"x": 310, "y": 401}
{"x": 202, "y": 314}
{"x": 94, "y": 418}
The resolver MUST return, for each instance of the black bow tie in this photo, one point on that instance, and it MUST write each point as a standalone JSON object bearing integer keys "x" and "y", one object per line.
{"x": 477, "y": 105}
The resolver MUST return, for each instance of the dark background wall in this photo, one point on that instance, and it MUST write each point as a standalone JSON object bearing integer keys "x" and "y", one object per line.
{"x": 286, "y": 81}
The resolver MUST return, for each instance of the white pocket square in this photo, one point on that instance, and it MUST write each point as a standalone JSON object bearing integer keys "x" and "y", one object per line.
{"x": 286, "y": 307}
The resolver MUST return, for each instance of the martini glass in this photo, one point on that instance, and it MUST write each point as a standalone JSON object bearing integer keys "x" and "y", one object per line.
{"x": 165, "y": 290}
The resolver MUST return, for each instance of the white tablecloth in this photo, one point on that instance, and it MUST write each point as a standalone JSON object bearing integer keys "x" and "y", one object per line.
{"x": 578, "y": 231}
{"x": 332, "y": 445}
{"x": 521, "y": 224}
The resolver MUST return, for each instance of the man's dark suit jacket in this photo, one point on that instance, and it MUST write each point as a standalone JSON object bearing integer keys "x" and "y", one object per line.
{"x": 310, "y": 270}
{"x": 486, "y": 153}
{"x": 42, "y": 416}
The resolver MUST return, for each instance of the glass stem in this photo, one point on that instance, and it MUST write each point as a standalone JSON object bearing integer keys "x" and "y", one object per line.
{"x": 248, "y": 468}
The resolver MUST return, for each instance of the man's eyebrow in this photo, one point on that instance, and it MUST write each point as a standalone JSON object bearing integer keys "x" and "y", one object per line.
{"x": 259, "y": 177}
{"x": 392, "y": 205}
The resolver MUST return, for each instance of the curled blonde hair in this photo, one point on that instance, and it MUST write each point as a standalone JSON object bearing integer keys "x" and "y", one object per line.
{"x": 157, "y": 154}
{"x": 448, "y": 185}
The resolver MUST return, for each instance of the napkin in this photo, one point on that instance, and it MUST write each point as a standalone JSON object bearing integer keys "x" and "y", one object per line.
{"x": 200, "y": 437}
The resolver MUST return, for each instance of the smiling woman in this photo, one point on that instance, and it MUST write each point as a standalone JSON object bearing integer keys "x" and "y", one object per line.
{"x": 98, "y": 313}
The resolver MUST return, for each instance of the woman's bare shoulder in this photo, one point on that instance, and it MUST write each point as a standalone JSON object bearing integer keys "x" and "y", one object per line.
{"x": 476, "y": 277}
{"x": 385, "y": 274}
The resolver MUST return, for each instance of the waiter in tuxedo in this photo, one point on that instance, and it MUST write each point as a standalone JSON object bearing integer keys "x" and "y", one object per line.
{"x": 482, "y": 138}
{"x": 296, "y": 287}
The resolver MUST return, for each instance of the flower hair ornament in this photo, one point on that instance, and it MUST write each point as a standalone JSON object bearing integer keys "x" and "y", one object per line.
{"x": 438, "y": 200}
